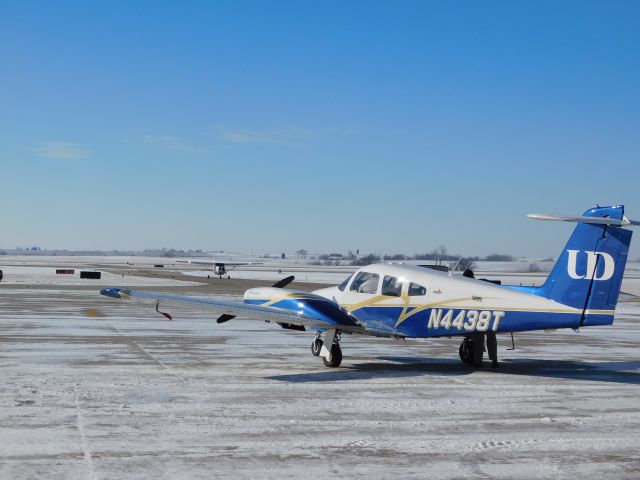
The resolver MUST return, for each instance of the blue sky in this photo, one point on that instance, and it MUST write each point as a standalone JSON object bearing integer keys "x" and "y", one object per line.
{"x": 272, "y": 126}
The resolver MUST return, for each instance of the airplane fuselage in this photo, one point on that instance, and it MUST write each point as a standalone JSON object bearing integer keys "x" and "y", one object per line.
{"x": 410, "y": 301}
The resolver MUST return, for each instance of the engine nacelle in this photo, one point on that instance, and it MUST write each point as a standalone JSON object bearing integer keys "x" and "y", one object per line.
{"x": 299, "y": 302}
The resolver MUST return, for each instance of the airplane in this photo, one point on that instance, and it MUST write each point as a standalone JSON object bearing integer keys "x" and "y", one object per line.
{"x": 405, "y": 301}
{"x": 218, "y": 268}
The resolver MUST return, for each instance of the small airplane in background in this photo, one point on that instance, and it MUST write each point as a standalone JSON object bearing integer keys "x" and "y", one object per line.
{"x": 404, "y": 301}
{"x": 218, "y": 268}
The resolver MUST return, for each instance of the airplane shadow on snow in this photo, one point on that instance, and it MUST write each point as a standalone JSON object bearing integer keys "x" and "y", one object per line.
{"x": 616, "y": 372}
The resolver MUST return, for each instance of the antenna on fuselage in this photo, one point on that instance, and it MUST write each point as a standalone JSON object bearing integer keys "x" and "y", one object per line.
{"x": 455, "y": 266}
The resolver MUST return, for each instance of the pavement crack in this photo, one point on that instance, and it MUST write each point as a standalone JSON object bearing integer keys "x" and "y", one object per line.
{"x": 146, "y": 352}
{"x": 81, "y": 428}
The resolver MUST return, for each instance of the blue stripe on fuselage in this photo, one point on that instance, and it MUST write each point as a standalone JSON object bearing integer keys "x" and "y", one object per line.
{"x": 417, "y": 325}
{"x": 512, "y": 321}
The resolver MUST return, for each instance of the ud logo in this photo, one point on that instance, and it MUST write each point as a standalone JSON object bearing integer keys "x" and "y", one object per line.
{"x": 592, "y": 260}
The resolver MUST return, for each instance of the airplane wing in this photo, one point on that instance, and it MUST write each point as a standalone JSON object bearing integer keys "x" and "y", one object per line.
{"x": 242, "y": 310}
{"x": 212, "y": 262}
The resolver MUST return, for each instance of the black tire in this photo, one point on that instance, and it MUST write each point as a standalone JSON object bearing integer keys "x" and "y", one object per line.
{"x": 316, "y": 346}
{"x": 335, "y": 359}
{"x": 466, "y": 351}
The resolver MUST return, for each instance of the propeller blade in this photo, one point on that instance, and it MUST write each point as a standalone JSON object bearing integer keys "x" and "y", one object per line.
{"x": 279, "y": 284}
{"x": 225, "y": 318}
{"x": 284, "y": 282}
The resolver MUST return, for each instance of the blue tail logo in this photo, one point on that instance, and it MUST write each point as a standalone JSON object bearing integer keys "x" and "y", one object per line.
{"x": 606, "y": 268}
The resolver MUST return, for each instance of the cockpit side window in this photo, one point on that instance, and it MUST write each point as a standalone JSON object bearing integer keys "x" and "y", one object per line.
{"x": 391, "y": 286}
{"x": 344, "y": 284}
{"x": 365, "y": 282}
{"x": 416, "y": 290}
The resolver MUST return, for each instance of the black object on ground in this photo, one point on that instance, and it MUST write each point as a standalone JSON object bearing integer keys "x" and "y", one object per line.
{"x": 91, "y": 275}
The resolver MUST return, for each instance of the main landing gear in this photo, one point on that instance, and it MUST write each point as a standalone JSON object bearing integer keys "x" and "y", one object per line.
{"x": 472, "y": 349}
{"x": 332, "y": 357}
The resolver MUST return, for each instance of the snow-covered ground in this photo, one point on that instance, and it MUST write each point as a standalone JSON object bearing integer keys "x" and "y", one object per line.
{"x": 94, "y": 388}
{"x": 41, "y": 275}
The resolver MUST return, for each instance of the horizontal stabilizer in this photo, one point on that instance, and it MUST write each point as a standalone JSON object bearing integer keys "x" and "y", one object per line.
{"x": 628, "y": 297}
{"x": 583, "y": 219}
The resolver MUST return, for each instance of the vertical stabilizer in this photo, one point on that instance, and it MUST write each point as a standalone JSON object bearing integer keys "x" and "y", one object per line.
{"x": 589, "y": 271}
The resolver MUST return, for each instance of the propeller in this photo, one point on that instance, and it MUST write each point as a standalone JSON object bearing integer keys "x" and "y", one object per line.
{"x": 225, "y": 318}
{"x": 279, "y": 284}
{"x": 284, "y": 282}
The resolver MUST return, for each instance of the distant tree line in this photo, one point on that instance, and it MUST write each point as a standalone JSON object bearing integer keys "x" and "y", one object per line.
{"x": 438, "y": 255}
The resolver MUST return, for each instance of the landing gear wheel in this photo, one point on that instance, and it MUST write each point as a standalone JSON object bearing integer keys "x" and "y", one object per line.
{"x": 335, "y": 359}
{"x": 316, "y": 346}
{"x": 466, "y": 351}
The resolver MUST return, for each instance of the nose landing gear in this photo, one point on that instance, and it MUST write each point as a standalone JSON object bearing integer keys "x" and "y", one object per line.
{"x": 316, "y": 345}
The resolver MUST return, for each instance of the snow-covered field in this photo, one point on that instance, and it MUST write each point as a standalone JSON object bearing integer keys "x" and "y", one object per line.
{"x": 94, "y": 388}
{"x": 34, "y": 276}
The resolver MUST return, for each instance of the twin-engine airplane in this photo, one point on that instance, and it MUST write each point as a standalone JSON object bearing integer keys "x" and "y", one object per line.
{"x": 404, "y": 301}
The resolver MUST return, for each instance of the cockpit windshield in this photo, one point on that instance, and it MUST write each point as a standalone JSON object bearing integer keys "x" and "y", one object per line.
{"x": 344, "y": 284}
{"x": 365, "y": 282}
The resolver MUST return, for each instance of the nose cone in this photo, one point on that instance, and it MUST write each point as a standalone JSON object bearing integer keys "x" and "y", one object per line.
{"x": 111, "y": 292}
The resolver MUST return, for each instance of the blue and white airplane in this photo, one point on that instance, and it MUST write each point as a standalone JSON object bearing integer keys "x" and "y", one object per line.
{"x": 404, "y": 301}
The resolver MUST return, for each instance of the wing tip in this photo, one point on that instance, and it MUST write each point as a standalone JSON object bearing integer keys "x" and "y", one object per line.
{"x": 111, "y": 292}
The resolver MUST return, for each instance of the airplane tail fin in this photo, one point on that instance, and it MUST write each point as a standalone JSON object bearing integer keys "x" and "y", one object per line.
{"x": 589, "y": 271}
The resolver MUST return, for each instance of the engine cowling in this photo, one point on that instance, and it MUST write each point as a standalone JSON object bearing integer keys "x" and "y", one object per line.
{"x": 299, "y": 302}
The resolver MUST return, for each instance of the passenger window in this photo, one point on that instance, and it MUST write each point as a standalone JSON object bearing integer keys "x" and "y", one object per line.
{"x": 391, "y": 286}
{"x": 365, "y": 282}
{"x": 416, "y": 290}
{"x": 344, "y": 284}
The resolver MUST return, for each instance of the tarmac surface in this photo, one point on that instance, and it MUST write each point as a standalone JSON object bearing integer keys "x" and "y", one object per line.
{"x": 95, "y": 388}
